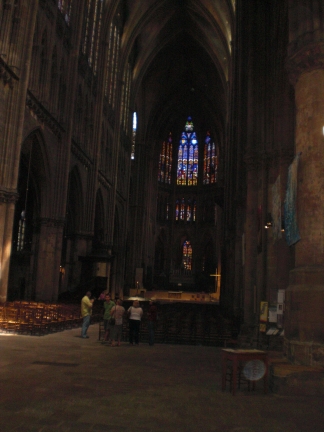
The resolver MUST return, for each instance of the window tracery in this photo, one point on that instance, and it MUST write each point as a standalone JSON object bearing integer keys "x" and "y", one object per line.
{"x": 187, "y": 170}
{"x": 91, "y": 32}
{"x": 134, "y": 135}
{"x": 165, "y": 161}
{"x": 187, "y": 255}
{"x": 185, "y": 210}
{"x": 210, "y": 161}
{"x": 65, "y": 7}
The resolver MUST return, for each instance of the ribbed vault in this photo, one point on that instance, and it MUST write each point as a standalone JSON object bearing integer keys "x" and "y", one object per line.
{"x": 181, "y": 56}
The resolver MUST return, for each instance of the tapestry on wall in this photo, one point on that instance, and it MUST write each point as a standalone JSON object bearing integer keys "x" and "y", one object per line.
{"x": 291, "y": 228}
{"x": 276, "y": 211}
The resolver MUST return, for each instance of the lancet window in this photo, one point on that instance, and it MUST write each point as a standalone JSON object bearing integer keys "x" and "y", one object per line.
{"x": 125, "y": 98}
{"x": 210, "y": 161}
{"x": 187, "y": 170}
{"x": 187, "y": 255}
{"x": 65, "y": 6}
{"x": 185, "y": 210}
{"x": 21, "y": 231}
{"x": 115, "y": 65}
{"x": 165, "y": 162}
{"x": 91, "y": 32}
{"x": 134, "y": 135}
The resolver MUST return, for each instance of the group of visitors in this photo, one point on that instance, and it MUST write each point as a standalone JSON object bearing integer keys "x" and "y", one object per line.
{"x": 113, "y": 316}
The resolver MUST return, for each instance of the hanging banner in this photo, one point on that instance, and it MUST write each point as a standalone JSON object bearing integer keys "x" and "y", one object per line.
{"x": 291, "y": 228}
{"x": 276, "y": 211}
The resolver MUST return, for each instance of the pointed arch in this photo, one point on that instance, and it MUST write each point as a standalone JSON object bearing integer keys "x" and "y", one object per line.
{"x": 34, "y": 151}
{"x": 34, "y": 189}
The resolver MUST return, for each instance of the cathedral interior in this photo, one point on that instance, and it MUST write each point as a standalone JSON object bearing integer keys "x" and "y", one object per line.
{"x": 170, "y": 145}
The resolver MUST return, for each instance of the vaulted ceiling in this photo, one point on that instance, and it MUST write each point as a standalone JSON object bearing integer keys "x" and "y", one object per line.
{"x": 181, "y": 54}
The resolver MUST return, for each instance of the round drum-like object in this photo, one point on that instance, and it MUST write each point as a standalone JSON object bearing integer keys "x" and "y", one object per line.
{"x": 254, "y": 370}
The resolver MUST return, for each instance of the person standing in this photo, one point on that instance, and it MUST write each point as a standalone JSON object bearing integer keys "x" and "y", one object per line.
{"x": 135, "y": 314}
{"x": 151, "y": 320}
{"x": 108, "y": 305}
{"x": 117, "y": 312}
{"x": 86, "y": 311}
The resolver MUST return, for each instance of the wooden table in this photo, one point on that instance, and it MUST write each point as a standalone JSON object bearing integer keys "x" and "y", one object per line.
{"x": 239, "y": 356}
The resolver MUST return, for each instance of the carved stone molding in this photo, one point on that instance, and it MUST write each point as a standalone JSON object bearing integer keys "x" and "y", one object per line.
{"x": 49, "y": 222}
{"x": 104, "y": 181}
{"x": 43, "y": 115}
{"x": 6, "y": 74}
{"x": 310, "y": 57}
{"x": 8, "y": 196}
{"x": 80, "y": 154}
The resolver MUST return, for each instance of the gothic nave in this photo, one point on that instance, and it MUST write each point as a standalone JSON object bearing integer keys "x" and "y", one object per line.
{"x": 167, "y": 145}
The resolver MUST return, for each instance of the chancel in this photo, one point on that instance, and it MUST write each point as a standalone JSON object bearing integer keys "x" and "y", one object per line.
{"x": 141, "y": 148}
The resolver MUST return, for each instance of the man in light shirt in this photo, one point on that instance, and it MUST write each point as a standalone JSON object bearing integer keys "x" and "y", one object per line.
{"x": 86, "y": 311}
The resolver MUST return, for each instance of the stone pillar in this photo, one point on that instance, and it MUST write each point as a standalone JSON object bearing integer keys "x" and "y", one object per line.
{"x": 7, "y": 211}
{"x": 49, "y": 259}
{"x": 304, "y": 317}
{"x": 251, "y": 243}
{"x": 14, "y": 76}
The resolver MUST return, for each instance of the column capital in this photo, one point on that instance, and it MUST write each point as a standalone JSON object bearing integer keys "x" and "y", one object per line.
{"x": 308, "y": 58}
{"x": 7, "y": 196}
{"x": 50, "y": 222}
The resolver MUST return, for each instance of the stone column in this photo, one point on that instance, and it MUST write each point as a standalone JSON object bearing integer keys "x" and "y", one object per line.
{"x": 14, "y": 77}
{"x": 251, "y": 244}
{"x": 49, "y": 259}
{"x": 7, "y": 211}
{"x": 304, "y": 317}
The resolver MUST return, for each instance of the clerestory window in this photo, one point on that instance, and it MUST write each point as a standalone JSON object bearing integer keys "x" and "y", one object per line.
{"x": 187, "y": 170}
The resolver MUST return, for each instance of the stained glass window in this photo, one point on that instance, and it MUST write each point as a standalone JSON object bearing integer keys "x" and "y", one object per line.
{"x": 186, "y": 255}
{"x": 96, "y": 54}
{"x": 177, "y": 210}
{"x": 86, "y": 27}
{"x": 115, "y": 72}
{"x": 189, "y": 212}
{"x": 21, "y": 231}
{"x": 194, "y": 211}
{"x": 185, "y": 210}
{"x": 182, "y": 209}
{"x": 134, "y": 135}
{"x": 91, "y": 31}
{"x": 125, "y": 99}
{"x": 210, "y": 161}
{"x": 187, "y": 170}
{"x": 165, "y": 162}
{"x": 65, "y": 6}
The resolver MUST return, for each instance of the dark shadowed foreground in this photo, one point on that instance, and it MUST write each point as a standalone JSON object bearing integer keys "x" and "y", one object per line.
{"x": 61, "y": 382}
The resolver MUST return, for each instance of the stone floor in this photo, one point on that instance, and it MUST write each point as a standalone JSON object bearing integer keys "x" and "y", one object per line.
{"x": 61, "y": 382}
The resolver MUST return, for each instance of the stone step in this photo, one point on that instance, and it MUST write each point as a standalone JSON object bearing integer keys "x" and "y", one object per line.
{"x": 299, "y": 380}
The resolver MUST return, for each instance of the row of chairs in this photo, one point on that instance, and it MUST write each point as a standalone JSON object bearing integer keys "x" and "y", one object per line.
{"x": 38, "y": 318}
